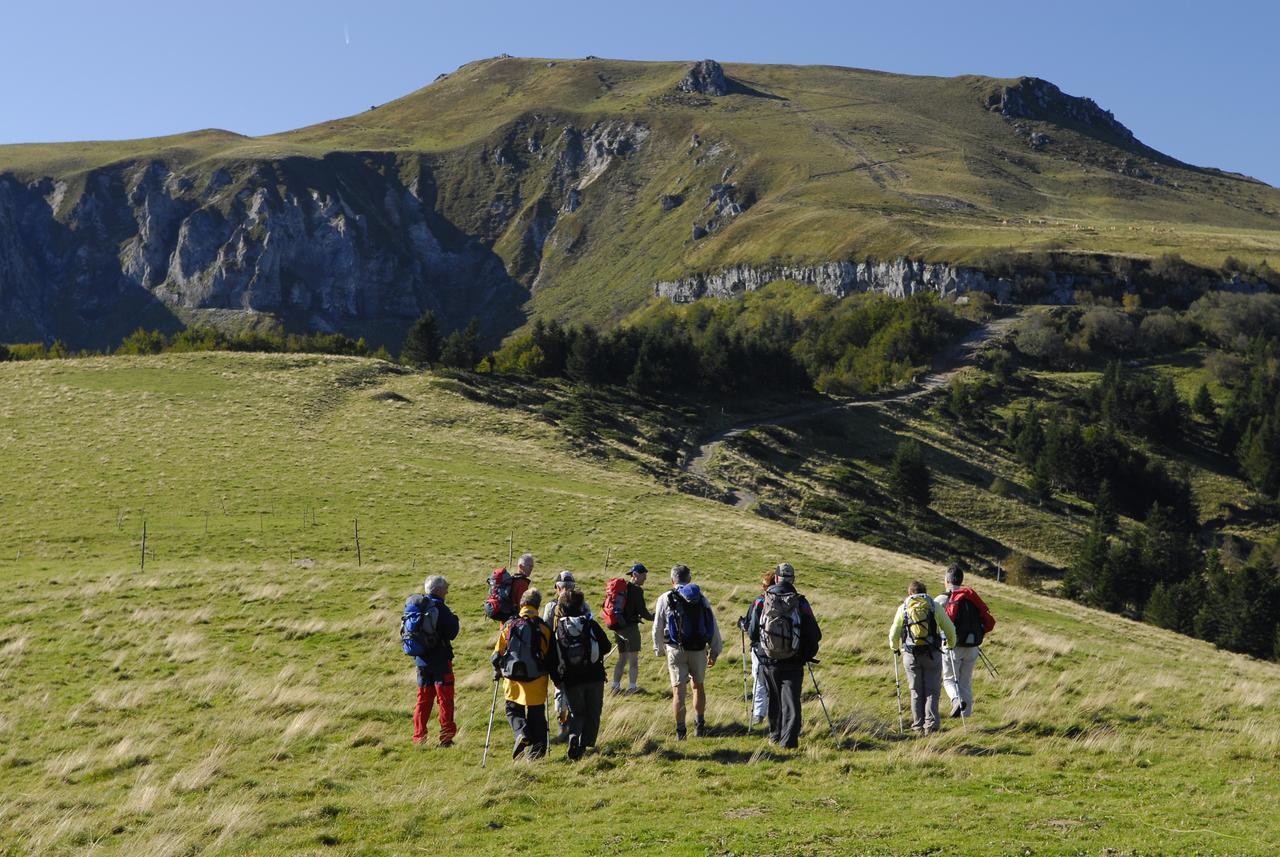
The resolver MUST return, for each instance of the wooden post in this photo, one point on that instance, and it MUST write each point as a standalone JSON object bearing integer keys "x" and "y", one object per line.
{"x": 358, "y": 558}
{"x": 142, "y": 563}
{"x": 206, "y": 523}
{"x": 606, "y": 559}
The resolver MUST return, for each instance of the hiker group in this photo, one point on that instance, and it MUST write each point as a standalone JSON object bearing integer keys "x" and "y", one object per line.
{"x": 552, "y": 656}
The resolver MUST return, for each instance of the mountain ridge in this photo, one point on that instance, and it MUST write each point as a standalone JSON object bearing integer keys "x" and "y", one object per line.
{"x": 576, "y": 186}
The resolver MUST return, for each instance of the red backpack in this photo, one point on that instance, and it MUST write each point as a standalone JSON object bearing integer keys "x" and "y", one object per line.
{"x": 615, "y": 602}
{"x": 501, "y": 603}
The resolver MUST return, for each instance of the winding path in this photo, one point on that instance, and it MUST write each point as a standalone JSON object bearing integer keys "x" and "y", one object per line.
{"x": 951, "y": 361}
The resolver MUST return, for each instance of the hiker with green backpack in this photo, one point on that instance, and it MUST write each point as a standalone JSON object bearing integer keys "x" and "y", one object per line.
{"x": 523, "y": 658}
{"x": 973, "y": 622}
{"x": 624, "y": 608}
{"x": 918, "y": 631}
{"x": 427, "y": 631}
{"x": 581, "y": 645}
{"x": 784, "y": 637}
{"x": 686, "y": 633}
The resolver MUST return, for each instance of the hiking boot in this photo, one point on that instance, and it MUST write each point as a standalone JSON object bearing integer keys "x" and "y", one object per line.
{"x": 446, "y": 742}
{"x": 757, "y": 719}
{"x": 681, "y": 732}
{"x": 575, "y": 747}
{"x": 699, "y": 729}
{"x": 521, "y": 744}
{"x": 631, "y": 691}
{"x": 615, "y": 689}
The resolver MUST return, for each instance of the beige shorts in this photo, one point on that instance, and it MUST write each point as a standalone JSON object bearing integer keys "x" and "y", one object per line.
{"x": 686, "y": 665}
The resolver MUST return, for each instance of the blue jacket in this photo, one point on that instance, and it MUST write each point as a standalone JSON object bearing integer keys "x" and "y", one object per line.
{"x": 439, "y": 661}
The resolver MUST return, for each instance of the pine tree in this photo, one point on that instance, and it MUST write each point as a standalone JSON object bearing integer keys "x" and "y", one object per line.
{"x": 1203, "y": 404}
{"x": 421, "y": 346}
{"x": 909, "y": 478}
{"x": 461, "y": 349}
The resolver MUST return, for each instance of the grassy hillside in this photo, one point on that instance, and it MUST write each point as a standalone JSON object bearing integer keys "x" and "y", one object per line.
{"x": 246, "y": 694}
{"x": 829, "y": 163}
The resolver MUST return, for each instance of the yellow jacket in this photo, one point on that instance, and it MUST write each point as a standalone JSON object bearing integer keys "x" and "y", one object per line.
{"x": 526, "y": 693}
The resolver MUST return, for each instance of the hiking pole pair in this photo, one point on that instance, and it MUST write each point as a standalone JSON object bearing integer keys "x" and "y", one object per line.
{"x": 818, "y": 691}
{"x": 897, "y": 684}
{"x": 986, "y": 662}
{"x": 489, "y": 732}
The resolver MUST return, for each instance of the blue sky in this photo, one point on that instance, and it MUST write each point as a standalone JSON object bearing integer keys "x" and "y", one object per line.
{"x": 1198, "y": 81}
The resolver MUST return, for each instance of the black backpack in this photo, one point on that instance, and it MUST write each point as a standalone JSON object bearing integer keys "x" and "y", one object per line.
{"x": 577, "y": 645}
{"x": 522, "y": 660}
{"x": 689, "y": 619}
{"x": 967, "y": 619}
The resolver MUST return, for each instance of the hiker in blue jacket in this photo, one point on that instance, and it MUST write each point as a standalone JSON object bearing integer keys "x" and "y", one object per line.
{"x": 784, "y": 637}
{"x": 435, "y": 666}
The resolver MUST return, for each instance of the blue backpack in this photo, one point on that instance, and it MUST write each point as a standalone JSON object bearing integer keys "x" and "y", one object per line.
{"x": 418, "y": 627}
{"x": 689, "y": 619}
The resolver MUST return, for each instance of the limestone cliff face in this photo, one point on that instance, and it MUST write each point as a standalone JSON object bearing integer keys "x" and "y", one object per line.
{"x": 897, "y": 278}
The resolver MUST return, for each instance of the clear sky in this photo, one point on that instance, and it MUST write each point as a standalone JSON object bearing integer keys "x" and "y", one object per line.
{"x": 1199, "y": 81}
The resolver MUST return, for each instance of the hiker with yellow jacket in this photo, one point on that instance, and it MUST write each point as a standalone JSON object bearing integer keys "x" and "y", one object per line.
{"x": 919, "y": 626}
{"x": 524, "y": 657}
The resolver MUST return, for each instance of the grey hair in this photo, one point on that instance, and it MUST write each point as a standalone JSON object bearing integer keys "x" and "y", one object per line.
{"x": 531, "y": 598}
{"x": 434, "y": 584}
{"x": 681, "y": 574}
{"x": 525, "y": 561}
{"x": 955, "y": 575}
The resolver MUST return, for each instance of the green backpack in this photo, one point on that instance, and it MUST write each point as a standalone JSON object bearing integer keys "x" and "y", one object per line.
{"x": 919, "y": 626}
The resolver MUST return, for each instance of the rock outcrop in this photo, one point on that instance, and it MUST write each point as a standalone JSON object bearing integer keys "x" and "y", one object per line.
{"x": 1037, "y": 99}
{"x": 705, "y": 78}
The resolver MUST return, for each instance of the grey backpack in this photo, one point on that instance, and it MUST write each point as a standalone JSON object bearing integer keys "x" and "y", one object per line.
{"x": 780, "y": 625}
{"x": 522, "y": 659}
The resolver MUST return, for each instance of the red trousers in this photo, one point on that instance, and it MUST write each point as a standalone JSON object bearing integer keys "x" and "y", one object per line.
{"x": 429, "y": 690}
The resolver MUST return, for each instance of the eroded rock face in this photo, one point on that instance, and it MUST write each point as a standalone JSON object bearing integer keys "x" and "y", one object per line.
{"x": 282, "y": 238}
{"x": 705, "y": 78}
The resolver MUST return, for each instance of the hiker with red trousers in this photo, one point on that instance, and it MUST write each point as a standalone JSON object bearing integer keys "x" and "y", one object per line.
{"x": 626, "y": 626}
{"x": 784, "y": 637}
{"x": 428, "y": 630}
{"x": 973, "y": 622}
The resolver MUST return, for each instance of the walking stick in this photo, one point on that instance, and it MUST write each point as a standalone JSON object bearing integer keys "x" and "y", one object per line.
{"x": 489, "y": 732}
{"x": 986, "y": 662}
{"x": 897, "y": 683}
{"x": 511, "y": 540}
{"x": 818, "y": 691}
{"x": 750, "y": 700}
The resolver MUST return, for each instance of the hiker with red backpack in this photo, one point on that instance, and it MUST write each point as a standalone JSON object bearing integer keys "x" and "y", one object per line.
{"x": 918, "y": 631}
{"x": 506, "y": 590}
{"x": 624, "y": 608}
{"x": 686, "y": 633}
{"x": 581, "y": 645}
{"x": 427, "y": 631}
{"x": 973, "y": 622}
{"x": 523, "y": 658}
{"x": 784, "y": 637}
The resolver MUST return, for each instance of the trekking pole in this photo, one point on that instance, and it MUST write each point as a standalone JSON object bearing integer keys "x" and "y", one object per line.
{"x": 818, "y": 691}
{"x": 606, "y": 560}
{"x": 488, "y": 733}
{"x": 746, "y": 695}
{"x": 955, "y": 675}
{"x": 986, "y": 662}
{"x": 511, "y": 540}
{"x": 897, "y": 684}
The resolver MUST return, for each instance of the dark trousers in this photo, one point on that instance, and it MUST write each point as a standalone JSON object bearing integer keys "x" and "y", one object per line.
{"x": 531, "y": 722}
{"x": 585, "y": 701}
{"x": 784, "y": 681}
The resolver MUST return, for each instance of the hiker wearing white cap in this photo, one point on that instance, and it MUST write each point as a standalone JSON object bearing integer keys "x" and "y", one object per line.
{"x": 565, "y": 582}
{"x": 784, "y": 637}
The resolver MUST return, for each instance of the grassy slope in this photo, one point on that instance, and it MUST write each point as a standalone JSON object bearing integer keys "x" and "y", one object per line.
{"x": 228, "y": 701}
{"x": 844, "y": 163}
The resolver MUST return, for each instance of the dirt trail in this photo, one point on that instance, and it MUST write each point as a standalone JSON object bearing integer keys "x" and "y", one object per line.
{"x": 951, "y": 361}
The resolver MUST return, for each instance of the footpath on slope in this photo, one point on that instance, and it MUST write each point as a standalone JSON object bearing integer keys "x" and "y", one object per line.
{"x": 955, "y": 358}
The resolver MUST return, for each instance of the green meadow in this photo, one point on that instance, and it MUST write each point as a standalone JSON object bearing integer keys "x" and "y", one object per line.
{"x": 244, "y": 691}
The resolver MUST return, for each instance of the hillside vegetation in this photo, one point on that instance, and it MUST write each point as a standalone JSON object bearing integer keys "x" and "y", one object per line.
{"x": 245, "y": 693}
{"x": 567, "y": 188}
